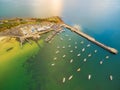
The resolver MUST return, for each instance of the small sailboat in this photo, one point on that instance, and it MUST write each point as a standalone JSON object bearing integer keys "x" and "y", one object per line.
{"x": 75, "y": 42}
{"x": 101, "y": 62}
{"x": 78, "y": 54}
{"x": 63, "y": 80}
{"x": 78, "y": 69}
{"x": 85, "y": 60}
{"x": 61, "y": 39}
{"x": 69, "y": 39}
{"x": 55, "y": 58}
{"x": 69, "y": 45}
{"x": 64, "y": 56}
{"x": 57, "y": 51}
{"x": 95, "y": 51}
{"x": 63, "y": 47}
{"x": 71, "y": 60}
{"x": 81, "y": 42}
{"x": 88, "y": 45}
{"x": 71, "y": 51}
{"x": 70, "y": 77}
{"x": 52, "y": 64}
{"x": 107, "y": 57}
{"x": 75, "y": 47}
{"x": 89, "y": 55}
{"x": 89, "y": 76}
{"x": 66, "y": 35}
{"x": 111, "y": 77}
{"x": 83, "y": 49}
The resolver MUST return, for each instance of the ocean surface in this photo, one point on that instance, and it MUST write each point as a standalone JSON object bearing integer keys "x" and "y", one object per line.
{"x": 44, "y": 66}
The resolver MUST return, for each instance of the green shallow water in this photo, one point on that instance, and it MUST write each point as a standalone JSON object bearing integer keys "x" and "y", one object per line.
{"x": 12, "y": 72}
{"x": 30, "y": 68}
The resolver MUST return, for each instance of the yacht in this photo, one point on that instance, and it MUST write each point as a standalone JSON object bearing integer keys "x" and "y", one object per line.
{"x": 95, "y": 51}
{"x": 52, "y": 64}
{"x": 88, "y": 45}
{"x": 89, "y": 76}
{"x": 101, "y": 62}
{"x": 69, "y": 45}
{"x": 57, "y": 51}
{"x": 71, "y": 60}
{"x": 107, "y": 57}
{"x": 63, "y": 80}
{"x": 66, "y": 35}
{"x": 61, "y": 38}
{"x": 78, "y": 69}
{"x": 70, "y": 77}
{"x": 89, "y": 55}
{"x": 69, "y": 39}
{"x": 75, "y": 42}
{"x": 111, "y": 77}
{"x": 63, "y": 47}
{"x": 71, "y": 51}
{"x": 85, "y": 60}
{"x": 83, "y": 49}
{"x": 78, "y": 54}
{"x": 81, "y": 42}
{"x": 64, "y": 56}
{"x": 75, "y": 47}
{"x": 55, "y": 58}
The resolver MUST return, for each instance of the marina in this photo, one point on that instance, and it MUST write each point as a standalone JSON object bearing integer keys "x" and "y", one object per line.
{"x": 36, "y": 32}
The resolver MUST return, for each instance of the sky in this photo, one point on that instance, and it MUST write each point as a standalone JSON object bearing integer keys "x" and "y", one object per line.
{"x": 38, "y": 8}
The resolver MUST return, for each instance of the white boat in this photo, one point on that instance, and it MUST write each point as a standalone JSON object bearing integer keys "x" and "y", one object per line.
{"x": 81, "y": 42}
{"x": 111, "y": 77}
{"x": 75, "y": 47}
{"x": 70, "y": 77}
{"x": 78, "y": 54}
{"x": 63, "y": 80}
{"x": 75, "y": 42}
{"x": 88, "y": 45}
{"x": 69, "y": 39}
{"x": 101, "y": 62}
{"x": 85, "y": 60}
{"x": 78, "y": 69}
{"x": 95, "y": 51}
{"x": 57, "y": 51}
{"x": 54, "y": 58}
{"x": 83, "y": 49}
{"x": 61, "y": 38}
{"x": 52, "y": 64}
{"x": 71, "y": 51}
{"x": 89, "y": 55}
{"x": 89, "y": 76}
{"x": 107, "y": 57}
{"x": 71, "y": 60}
{"x": 69, "y": 45}
{"x": 63, "y": 47}
{"x": 66, "y": 35}
{"x": 64, "y": 56}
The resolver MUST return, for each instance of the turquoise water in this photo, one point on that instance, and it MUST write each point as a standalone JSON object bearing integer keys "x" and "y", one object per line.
{"x": 99, "y": 19}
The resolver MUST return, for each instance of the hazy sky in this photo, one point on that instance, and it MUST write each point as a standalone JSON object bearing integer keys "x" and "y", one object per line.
{"x": 58, "y": 7}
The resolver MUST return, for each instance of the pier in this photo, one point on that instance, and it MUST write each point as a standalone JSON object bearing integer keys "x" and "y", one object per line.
{"x": 111, "y": 50}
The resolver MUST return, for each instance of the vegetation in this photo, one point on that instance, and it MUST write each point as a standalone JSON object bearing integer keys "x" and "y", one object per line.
{"x": 8, "y": 24}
